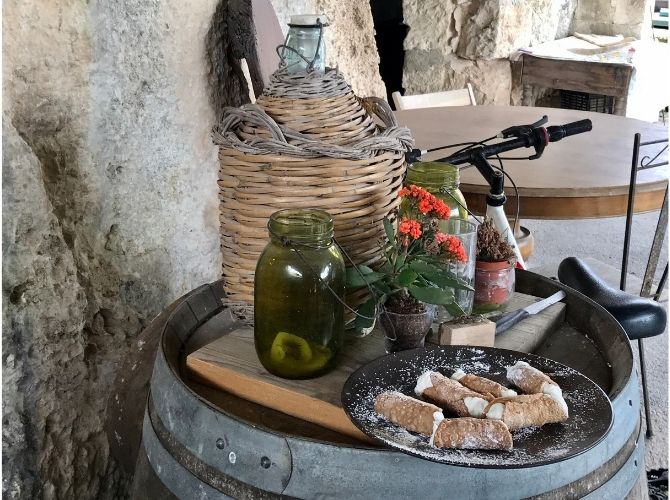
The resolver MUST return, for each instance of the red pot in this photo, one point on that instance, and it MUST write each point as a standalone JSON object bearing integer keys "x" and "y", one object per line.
{"x": 494, "y": 284}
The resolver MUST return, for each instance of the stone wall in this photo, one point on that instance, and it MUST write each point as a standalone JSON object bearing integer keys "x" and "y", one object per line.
{"x": 614, "y": 17}
{"x": 454, "y": 42}
{"x": 110, "y": 209}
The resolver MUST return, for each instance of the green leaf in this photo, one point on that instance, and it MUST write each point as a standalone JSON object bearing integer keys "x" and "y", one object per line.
{"x": 454, "y": 309}
{"x": 383, "y": 287}
{"x": 447, "y": 280}
{"x": 367, "y": 309}
{"x": 422, "y": 267}
{"x": 390, "y": 232}
{"x": 431, "y": 295}
{"x": 406, "y": 277}
{"x": 441, "y": 277}
{"x": 362, "y": 277}
{"x": 400, "y": 261}
{"x": 386, "y": 268}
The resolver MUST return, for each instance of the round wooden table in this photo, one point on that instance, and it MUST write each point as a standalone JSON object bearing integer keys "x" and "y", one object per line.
{"x": 583, "y": 176}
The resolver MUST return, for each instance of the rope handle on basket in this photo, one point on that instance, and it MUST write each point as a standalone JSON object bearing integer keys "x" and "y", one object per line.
{"x": 290, "y": 142}
{"x": 376, "y": 106}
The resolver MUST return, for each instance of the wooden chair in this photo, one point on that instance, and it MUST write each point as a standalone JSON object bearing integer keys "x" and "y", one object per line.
{"x": 640, "y": 316}
{"x": 461, "y": 97}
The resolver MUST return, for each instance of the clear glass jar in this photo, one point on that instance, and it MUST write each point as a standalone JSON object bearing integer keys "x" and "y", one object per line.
{"x": 307, "y": 38}
{"x": 494, "y": 285}
{"x": 466, "y": 232}
{"x": 298, "y": 319}
{"x": 442, "y": 180}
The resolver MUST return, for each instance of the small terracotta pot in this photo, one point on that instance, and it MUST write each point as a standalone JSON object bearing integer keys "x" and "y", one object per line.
{"x": 494, "y": 284}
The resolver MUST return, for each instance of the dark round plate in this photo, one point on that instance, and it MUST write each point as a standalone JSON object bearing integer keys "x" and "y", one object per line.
{"x": 589, "y": 407}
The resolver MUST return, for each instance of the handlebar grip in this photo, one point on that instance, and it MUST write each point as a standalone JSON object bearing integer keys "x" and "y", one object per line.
{"x": 558, "y": 132}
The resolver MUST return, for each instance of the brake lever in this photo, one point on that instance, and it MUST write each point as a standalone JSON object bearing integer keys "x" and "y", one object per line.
{"x": 522, "y": 130}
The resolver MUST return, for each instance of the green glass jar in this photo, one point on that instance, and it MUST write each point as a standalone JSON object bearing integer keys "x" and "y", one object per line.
{"x": 442, "y": 180}
{"x": 298, "y": 319}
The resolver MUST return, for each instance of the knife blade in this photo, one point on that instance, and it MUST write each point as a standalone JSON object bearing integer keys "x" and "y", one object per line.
{"x": 508, "y": 320}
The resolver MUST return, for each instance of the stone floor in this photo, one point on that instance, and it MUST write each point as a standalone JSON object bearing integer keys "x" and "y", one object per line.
{"x": 603, "y": 239}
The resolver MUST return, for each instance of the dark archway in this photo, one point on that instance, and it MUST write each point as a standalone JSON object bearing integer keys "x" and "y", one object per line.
{"x": 390, "y": 32}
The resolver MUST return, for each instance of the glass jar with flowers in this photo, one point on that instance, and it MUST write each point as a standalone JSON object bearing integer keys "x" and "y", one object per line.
{"x": 412, "y": 283}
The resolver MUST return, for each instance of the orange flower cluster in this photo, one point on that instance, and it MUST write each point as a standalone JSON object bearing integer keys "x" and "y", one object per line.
{"x": 428, "y": 204}
{"x": 410, "y": 227}
{"x": 452, "y": 247}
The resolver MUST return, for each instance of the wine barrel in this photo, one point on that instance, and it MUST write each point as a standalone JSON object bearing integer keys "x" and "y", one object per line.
{"x": 192, "y": 448}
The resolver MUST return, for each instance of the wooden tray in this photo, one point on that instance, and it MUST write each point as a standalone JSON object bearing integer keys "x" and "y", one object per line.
{"x": 231, "y": 364}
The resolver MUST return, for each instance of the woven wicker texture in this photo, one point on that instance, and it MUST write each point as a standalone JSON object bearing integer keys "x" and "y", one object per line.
{"x": 309, "y": 142}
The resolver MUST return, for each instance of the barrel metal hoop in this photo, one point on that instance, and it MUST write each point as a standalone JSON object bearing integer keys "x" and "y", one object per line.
{"x": 601, "y": 475}
{"x": 204, "y": 472}
{"x": 172, "y": 475}
{"x": 248, "y": 454}
{"x": 623, "y": 482}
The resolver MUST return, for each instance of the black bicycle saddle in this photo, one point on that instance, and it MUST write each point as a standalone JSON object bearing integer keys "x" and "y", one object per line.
{"x": 639, "y": 317}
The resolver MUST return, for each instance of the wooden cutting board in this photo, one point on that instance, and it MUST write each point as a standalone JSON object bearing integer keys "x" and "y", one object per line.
{"x": 231, "y": 364}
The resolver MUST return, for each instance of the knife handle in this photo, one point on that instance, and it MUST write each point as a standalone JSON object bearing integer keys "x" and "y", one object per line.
{"x": 507, "y": 321}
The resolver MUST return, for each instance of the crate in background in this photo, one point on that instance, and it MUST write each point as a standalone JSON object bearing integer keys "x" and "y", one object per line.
{"x": 583, "y": 101}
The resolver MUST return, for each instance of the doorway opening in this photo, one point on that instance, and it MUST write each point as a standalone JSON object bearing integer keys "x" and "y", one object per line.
{"x": 390, "y": 33}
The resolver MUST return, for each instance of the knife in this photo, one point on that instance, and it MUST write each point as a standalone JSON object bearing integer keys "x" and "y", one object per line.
{"x": 508, "y": 320}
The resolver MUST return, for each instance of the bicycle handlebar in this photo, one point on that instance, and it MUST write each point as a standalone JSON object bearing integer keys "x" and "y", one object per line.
{"x": 537, "y": 137}
{"x": 558, "y": 132}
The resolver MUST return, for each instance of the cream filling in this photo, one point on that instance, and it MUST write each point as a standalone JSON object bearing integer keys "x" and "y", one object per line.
{"x": 508, "y": 393}
{"x": 437, "y": 418}
{"x": 475, "y": 405}
{"x": 496, "y": 411}
{"x": 557, "y": 394}
{"x": 514, "y": 371}
{"x": 424, "y": 382}
{"x": 458, "y": 374}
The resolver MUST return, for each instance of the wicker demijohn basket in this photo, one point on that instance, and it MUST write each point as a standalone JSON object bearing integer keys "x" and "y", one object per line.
{"x": 308, "y": 142}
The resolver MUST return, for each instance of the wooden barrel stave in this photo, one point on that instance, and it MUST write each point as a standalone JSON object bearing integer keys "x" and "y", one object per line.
{"x": 344, "y": 470}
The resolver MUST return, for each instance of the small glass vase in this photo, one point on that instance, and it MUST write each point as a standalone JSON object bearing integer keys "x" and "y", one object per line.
{"x": 494, "y": 285}
{"x": 403, "y": 331}
{"x": 466, "y": 232}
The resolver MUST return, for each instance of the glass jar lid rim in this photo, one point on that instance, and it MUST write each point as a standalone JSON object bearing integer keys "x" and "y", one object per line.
{"x": 437, "y": 172}
{"x": 308, "y": 20}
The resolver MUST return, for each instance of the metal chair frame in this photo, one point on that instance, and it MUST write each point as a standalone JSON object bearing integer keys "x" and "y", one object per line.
{"x": 646, "y": 162}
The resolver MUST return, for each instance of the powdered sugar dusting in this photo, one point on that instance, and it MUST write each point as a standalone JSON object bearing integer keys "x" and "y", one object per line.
{"x": 590, "y": 410}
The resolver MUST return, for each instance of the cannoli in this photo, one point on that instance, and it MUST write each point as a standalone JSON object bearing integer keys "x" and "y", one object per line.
{"x": 451, "y": 395}
{"x": 472, "y": 434}
{"x": 482, "y": 385}
{"x": 412, "y": 414}
{"x": 533, "y": 381}
{"x": 526, "y": 410}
